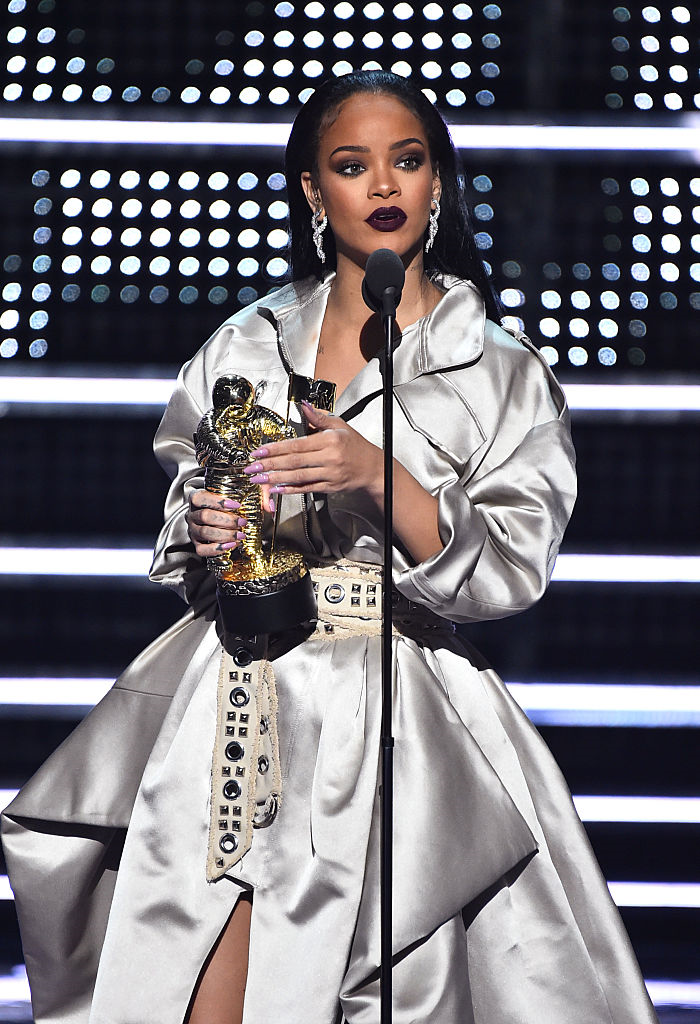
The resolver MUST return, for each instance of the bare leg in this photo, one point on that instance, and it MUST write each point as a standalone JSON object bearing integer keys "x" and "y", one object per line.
{"x": 219, "y": 992}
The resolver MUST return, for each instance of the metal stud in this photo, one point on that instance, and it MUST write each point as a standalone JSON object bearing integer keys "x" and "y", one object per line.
{"x": 228, "y": 844}
{"x": 242, "y": 656}
{"x": 239, "y": 696}
{"x": 231, "y": 790}
{"x": 230, "y": 716}
{"x": 335, "y": 593}
{"x": 233, "y": 677}
{"x": 356, "y": 588}
{"x": 264, "y": 725}
{"x": 235, "y": 751}
{"x": 354, "y": 601}
{"x": 263, "y": 764}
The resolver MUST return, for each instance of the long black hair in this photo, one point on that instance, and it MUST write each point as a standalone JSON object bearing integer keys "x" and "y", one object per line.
{"x": 454, "y": 250}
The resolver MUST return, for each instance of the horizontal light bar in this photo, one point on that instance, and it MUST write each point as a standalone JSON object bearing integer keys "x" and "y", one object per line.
{"x": 590, "y": 568}
{"x": 654, "y": 810}
{"x": 560, "y": 704}
{"x": 633, "y": 810}
{"x": 129, "y": 562}
{"x": 635, "y": 138}
{"x": 117, "y": 391}
{"x": 608, "y": 704}
{"x": 656, "y": 894}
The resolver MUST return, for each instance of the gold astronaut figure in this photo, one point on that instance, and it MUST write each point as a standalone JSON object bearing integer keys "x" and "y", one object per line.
{"x": 224, "y": 440}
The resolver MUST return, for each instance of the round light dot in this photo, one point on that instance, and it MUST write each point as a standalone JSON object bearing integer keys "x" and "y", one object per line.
{"x": 8, "y": 348}
{"x": 643, "y": 101}
{"x": 642, "y": 214}
{"x": 650, "y": 44}
{"x": 651, "y": 14}
{"x": 513, "y": 323}
{"x": 46, "y": 35}
{"x": 159, "y": 265}
{"x": 218, "y": 266}
{"x": 550, "y": 299}
{"x": 372, "y": 40}
{"x": 286, "y": 38}
{"x": 278, "y": 210}
{"x": 668, "y": 300}
{"x": 218, "y": 295}
{"x": 607, "y": 356}
{"x": 461, "y": 70}
{"x": 681, "y": 15}
{"x": 402, "y": 68}
{"x": 670, "y": 243}
{"x": 16, "y": 6}
{"x": 461, "y": 41}
{"x": 100, "y": 179}
{"x": 72, "y": 207}
{"x": 12, "y": 91}
{"x": 609, "y": 300}
{"x": 219, "y": 238}
{"x": 100, "y": 293}
{"x": 43, "y": 206}
{"x": 188, "y": 295}
{"x": 313, "y": 68}
{"x": 550, "y": 354}
{"x": 130, "y": 237}
{"x": 247, "y": 295}
{"x": 341, "y": 67}
{"x": 160, "y": 237}
{"x": 639, "y": 271}
{"x": 220, "y": 95}
{"x": 14, "y": 262}
{"x": 431, "y": 70}
{"x": 223, "y": 67}
{"x": 190, "y": 208}
{"x": 130, "y": 265}
{"x": 249, "y": 95}
{"x": 45, "y": 65}
{"x": 42, "y": 92}
{"x": 101, "y": 236}
{"x": 641, "y": 243}
{"x": 432, "y": 41}
{"x": 72, "y": 236}
{"x": 12, "y": 291}
{"x": 188, "y": 180}
{"x": 16, "y": 64}
{"x": 669, "y": 186}
{"x": 402, "y": 40}
{"x": 649, "y": 73}
{"x": 695, "y": 271}
{"x": 577, "y": 356}
{"x": 131, "y": 208}
{"x": 279, "y": 95}
{"x": 161, "y": 208}
{"x": 129, "y": 179}
{"x": 101, "y": 94}
{"x": 218, "y": 181}
{"x": 16, "y": 34}
{"x": 483, "y": 240}
{"x": 38, "y": 348}
{"x": 253, "y": 68}
{"x": 189, "y": 238}
{"x": 580, "y": 300}
{"x": 678, "y": 73}
{"x": 284, "y": 10}
{"x": 485, "y": 98}
{"x": 669, "y": 271}
{"x": 637, "y": 328}
{"x": 189, "y": 266}
{"x": 247, "y": 181}
{"x": 314, "y": 10}
{"x": 100, "y": 265}
{"x": 42, "y": 236}
{"x": 639, "y": 186}
{"x": 512, "y": 297}
{"x": 131, "y": 94}
{"x": 673, "y": 101}
{"x": 70, "y": 178}
{"x": 483, "y": 211}
{"x": 549, "y": 327}
{"x": 247, "y": 267}
{"x": 105, "y": 65}
{"x": 72, "y": 93}
{"x": 249, "y": 209}
{"x": 219, "y": 209}
{"x": 639, "y": 300}
{"x": 38, "y": 320}
{"x": 190, "y": 94}
{"x": 278, "y": 238}
{"x": 41, "y": 264}
{"x": 433, "y": 12}
{"x": 608, "y": 328}
{"x": 254, "y": 38}
{"x": 9, "y": 319}
{"x": 248, "y": 238}
{"x": 578, "y": 327}
{"x": 679, "y": 44}
{"x": 276, "y": 267}
{"x": 159, "y": 293}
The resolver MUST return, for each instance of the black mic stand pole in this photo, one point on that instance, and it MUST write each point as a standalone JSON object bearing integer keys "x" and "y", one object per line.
{"x": 388, "y": 312}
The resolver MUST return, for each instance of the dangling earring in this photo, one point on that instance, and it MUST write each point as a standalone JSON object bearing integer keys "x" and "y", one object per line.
{"x": 432, "y": 224}
{"x": 318, "y": 225}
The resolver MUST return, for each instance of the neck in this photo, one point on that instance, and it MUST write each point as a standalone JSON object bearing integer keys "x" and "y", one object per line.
{"x": 418, "y": 298}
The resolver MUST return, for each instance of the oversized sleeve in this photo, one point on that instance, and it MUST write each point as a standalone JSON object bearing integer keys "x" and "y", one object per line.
{"x": 175, "y": 563}
{"x": 502, "y": 522}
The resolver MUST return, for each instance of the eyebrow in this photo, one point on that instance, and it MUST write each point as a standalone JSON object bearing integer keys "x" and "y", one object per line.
{"x": 365, "y": 149}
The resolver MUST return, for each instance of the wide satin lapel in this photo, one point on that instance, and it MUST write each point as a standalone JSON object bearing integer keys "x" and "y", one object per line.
{"x": 299, "y": 321}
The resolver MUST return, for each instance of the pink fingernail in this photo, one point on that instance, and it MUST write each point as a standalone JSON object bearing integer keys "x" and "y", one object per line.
{"x": 259, "y": 453}
{"x": 278, "y": 489}
{"x": 231, "y": 544}
{"x": 272, "y": 504}
{"x": 230, "y": 503}
{"x": 259, "y": 478}
{"x": 241, "y": 536}
{"x": 255, "y": 467}
{"x": 242, "y": 523}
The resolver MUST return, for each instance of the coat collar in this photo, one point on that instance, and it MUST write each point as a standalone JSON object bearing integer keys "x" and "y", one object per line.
{"x": 451, "y": 335}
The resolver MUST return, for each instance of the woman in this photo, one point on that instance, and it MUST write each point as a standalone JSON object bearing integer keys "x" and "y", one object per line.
{"x": 500, "y": 912}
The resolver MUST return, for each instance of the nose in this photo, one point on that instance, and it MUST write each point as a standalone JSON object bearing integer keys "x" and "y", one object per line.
{"x": 383, "y": 184}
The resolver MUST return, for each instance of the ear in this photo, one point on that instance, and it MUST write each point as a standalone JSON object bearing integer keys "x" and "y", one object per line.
{"x": 437, "y": 184}
{"x": 313, "y": 196}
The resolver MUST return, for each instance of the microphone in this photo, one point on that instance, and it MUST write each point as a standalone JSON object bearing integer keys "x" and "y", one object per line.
{"x": 383, "y": 282}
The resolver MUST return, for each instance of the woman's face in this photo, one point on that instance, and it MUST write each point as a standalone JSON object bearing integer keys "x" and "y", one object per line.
{"x": 375, "y": 179}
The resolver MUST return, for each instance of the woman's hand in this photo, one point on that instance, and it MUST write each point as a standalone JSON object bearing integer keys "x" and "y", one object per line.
{"x": 214, "y": 524}
{"x": 333, "y": 457}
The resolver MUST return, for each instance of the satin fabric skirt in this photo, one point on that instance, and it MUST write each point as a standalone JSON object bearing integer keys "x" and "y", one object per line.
{"x": 501, "y": 914}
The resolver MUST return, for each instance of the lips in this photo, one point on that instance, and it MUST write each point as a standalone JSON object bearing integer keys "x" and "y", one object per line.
{"x": 387, "y": 218}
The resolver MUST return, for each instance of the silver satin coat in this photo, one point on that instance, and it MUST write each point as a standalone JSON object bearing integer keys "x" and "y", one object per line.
{"x": 501, "y": 913}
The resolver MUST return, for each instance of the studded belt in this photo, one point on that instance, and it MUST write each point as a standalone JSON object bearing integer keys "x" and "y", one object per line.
{"x": 246, "y": 779}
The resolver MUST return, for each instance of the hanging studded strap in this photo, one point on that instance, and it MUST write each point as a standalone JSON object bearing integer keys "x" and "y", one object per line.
{"x": 246, "y": 780}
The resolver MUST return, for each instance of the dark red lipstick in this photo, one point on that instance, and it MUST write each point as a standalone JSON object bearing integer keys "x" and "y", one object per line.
{"x": 387, "y": 218}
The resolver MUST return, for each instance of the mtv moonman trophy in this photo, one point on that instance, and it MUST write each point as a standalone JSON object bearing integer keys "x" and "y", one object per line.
{"x": 259, "y": 589}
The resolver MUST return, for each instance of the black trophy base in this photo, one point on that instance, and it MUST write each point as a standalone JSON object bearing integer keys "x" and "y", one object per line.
{"x": 268, "y": 613}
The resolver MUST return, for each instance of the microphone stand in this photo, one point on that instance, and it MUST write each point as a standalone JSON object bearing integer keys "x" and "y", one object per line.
{"x": 388, "y": 312}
